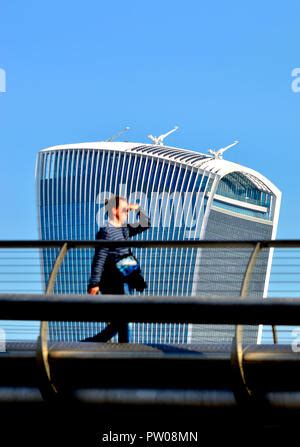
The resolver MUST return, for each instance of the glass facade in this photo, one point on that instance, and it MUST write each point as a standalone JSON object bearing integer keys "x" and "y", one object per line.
{"x": 238, "y": 186}
{"x": 71, "y": 187}
{"x": 221, "y": 272}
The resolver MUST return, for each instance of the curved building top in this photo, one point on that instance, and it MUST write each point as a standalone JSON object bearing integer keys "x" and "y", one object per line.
{"x": 205, "y": 162}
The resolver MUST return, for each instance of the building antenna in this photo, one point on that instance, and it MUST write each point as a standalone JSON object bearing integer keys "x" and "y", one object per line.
{"x": 117, "y": 134}
{"x": 159, "y": 140}
{"x": 218, "y": 155}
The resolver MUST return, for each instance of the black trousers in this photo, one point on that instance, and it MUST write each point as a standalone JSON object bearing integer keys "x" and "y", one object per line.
{"x": 115, "y": 326}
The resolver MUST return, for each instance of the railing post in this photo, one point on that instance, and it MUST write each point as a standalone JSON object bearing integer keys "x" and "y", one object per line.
{"x": 274, "y": 332}
{"x": 47, "y": 386}
{"x": 243, "y": 391}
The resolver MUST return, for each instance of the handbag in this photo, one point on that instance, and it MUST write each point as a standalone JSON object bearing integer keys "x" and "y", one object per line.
{"x": 128, "y": 265}
{"x": 130, "y": 270}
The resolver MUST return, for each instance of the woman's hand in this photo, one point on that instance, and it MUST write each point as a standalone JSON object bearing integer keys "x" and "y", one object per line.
{"x": 133, "y": 206}
{"x": 94, "y": 290}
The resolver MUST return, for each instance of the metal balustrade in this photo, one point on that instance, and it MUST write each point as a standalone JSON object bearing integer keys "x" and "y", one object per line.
{"x": 245, "y": 372}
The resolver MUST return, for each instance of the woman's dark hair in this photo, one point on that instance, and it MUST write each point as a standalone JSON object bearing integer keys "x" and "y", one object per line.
{"x": 113, "y": 202}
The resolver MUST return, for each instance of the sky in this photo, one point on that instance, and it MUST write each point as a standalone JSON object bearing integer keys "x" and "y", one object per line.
{"x": 79, "y": 71}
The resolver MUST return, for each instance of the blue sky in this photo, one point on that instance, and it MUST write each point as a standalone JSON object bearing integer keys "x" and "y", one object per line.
{"x": 81, "y": 71}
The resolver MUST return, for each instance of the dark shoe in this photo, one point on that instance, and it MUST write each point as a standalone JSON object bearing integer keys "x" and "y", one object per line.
{"x": 89, "y": 340}
{"x": 98, "y": 338}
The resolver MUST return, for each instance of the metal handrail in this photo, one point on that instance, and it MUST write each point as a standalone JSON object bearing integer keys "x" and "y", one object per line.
{"x": 279, "y": 243}
{"x": 187, "y": 309}
{"x": 138, "y": 308}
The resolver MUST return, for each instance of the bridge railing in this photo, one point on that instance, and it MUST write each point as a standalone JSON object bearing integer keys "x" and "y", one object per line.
{"x": 248, "y": 367}
{"x": 171, "y": 268}
{"x": 44, "y": 303}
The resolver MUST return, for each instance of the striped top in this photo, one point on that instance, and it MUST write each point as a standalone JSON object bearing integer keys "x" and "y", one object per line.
{"x": 105, "y": 255}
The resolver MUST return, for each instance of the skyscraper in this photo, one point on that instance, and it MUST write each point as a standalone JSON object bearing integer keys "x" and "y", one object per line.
{"x": 188, "y": 195}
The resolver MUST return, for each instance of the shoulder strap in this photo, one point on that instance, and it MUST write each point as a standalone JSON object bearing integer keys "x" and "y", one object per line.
{"x": 125, "y": 234}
